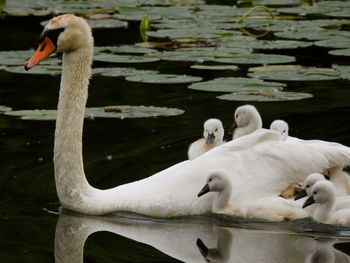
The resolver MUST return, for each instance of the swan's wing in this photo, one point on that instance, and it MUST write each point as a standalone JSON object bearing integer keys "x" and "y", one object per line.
{"x": 196, "y": 149}
{"x": 258, "y": 165}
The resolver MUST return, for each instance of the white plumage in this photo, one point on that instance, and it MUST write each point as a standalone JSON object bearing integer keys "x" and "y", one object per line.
{"x": 213, "y": 135}
{"x": 281, "y": 127}
{"x": 247, "y": 120}
{"x": 259, "y": 165}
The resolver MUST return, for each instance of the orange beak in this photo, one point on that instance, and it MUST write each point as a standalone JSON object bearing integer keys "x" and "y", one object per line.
{"x": 45, "y": 49}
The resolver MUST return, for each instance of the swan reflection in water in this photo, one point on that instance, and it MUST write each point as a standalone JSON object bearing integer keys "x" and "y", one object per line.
{"x": 196, "y": 240}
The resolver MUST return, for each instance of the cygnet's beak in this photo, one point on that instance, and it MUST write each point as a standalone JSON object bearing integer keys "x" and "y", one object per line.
{"x": 203, "y": 249}
{"x": 232, "y": 128}
{"x": 309, "y": 201}
{"x": 301, "y": 194}
{"x": 45, "y": 49}
{"x": 204, "y": 190}
{"x": 210, "y": 138}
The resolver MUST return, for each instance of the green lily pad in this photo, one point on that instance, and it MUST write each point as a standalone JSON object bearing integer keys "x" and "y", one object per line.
{"x": 344, "y": 71}
{"x": 308, "y": 10}
{"x": 293, "y": 73}
{"x": 121, "y": 72}
{"x": 312, "y": 34}
{"x": 236, "y": 85}
{"x": 163, "y": 78}
{"x": 265, "y": 96}
{"x": 124, "y": 58}
{"x": 215, "y": 67}
{"x": 119, "y": 112}
{"x": 125, "y": 49}
{"x": 4, "y": 109}
{"x": 20, "y": 57}
{"x": 40, "y": 70}
{"x": 340, "y": 52}
{"x": 191, "y": 33}
{"x": 256, "y": 59}
{"x": 268, "y": 44}
{"x": 272, "y": 2}
{"x": 340, "y": 42}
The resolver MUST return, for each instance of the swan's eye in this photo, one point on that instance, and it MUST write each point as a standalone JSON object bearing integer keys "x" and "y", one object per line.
{"x": 315, "y": 193}
{"x": 236, "y": 116}
{"x": 308, "y": 186}
{"x": 210, "y": 179}
{"x": 216, "y": 129}
{"x": 284, "y": 131}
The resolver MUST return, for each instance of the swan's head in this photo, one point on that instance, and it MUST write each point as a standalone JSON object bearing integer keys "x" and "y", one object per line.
{"x": 216, "y": 182}
{"x": 280, "y": 126}
{"x": 64, "y": 33}
{"x": 322, "y": 192}
{"x": 308, "y": 184}
{"x": 213, "y": 131}
{"x": 246, "y": 115}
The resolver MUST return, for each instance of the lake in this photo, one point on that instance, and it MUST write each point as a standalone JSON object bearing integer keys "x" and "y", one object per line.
{"x": 312, "y": 94}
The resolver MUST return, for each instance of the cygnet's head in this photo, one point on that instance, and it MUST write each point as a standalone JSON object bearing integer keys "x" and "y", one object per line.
{"x": 307, "y": 185}
{"x": 246, "y": 114}
{"x": 322, "y": 192}
{"x": 213, "y": 131}
{"x": 65, "y": 33}
{"x": 280, "y": 126}
{"x": 215, "y": 183}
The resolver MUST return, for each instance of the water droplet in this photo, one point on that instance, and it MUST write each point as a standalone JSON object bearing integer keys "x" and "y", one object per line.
{"x": 40, "y": 159}
{"x": 109, "y": 157}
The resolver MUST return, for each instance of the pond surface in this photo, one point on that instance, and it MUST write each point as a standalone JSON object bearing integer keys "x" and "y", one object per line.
{"x": 121, "y": 150}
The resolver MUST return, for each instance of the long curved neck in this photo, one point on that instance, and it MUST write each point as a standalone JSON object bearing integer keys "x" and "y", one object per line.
{"x": 68, "y": 160}
{"x": 323, "y": 212}
{"x": 222, "y": 198}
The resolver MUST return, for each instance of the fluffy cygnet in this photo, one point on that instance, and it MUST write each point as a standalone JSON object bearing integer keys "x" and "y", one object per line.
{"x": 341, "y": 202}
{"x": 213, "y": 136}
{"x": 219, "y": 183}
{"x": 323, "y": 194}
{"x": 280, "y": 126}
{"x": 247, "y": 120}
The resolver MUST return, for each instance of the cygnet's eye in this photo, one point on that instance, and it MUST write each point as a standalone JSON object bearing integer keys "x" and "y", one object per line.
{"x": 236, "y": 115}
{"x": 216, "y": 129}
{"x": 315, "y": 192}
{"x": 308, "y": 186}
{"x": 210, "y": 179}
{"x": 284, "y": 131}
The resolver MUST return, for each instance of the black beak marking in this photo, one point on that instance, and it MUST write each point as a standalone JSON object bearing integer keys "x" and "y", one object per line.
{"x": 309, "y": 201}
{"x": 203, "y": 249}
{"x": 204, "y": 190}
{"x": 301, "y": 194}
{"x": 232, "y": 128}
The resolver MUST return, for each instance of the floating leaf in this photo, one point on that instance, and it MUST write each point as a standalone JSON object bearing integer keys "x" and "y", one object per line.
{"x": 344, "y": 71}
{"x": 40, "y": 70}
{"x": 256, "y": 59}
{"x": 191, "y": 33}
{"x": 312, "y": 34}
{"x": 215, "y": 67}
{"x": 164, "y": 78}
{"x": 265, "y": 96}
{"x": 120, "y": 72}
{"x": 145, "y": 26}
{"x": 126, "y": 49}
{"x": 293, "y": 73}
{"x": 340, "y": 42}
{"x": 236, "y": 85}
{"x": 119, "y": 112}
{"x": 340, "y": 52}
{"x": 124, "y": 58}
{"x": 267, "y": 44}
{"x": 20, "y": 57}
{"x": 4, "y": 109}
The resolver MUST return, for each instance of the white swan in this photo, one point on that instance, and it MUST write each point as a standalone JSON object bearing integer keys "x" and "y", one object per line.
{"x": 323, "y": 193}
{"x": 213, "y": 134}
{"x": 253, "y": 162}
{"x": 280, "y": 126}
{"x": 247, "y": 120}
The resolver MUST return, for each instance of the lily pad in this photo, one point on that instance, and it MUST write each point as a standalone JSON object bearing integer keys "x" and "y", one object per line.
{"x": 125, "y": 49}
{"x": 256, "y": 59}
{"x": 236, "y": 85}
{"x": 268, "y": 44}
{"x": 265, "y": 96}
{"x": 124, "y": 58}
{"x": 344, "y": 71}
{"x": 215, "y": 67}
{"x": 119, "y": 112}
{"x": 340, "y": 52}
{"x": 293, "y": 73}
{"x": 40, "y": 70}
{"x": 312, "y": 34}
{"x": 163, "y": 78}
{"x": 191, "y": 33}
{"x": 4, "y": 109}
{"x": 334, "y": 43}
{"x": 20, "y": 57}
{"x": 121, "y": 72}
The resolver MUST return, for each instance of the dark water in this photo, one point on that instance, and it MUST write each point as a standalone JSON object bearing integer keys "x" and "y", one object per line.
{"x": 30, "y": 232}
